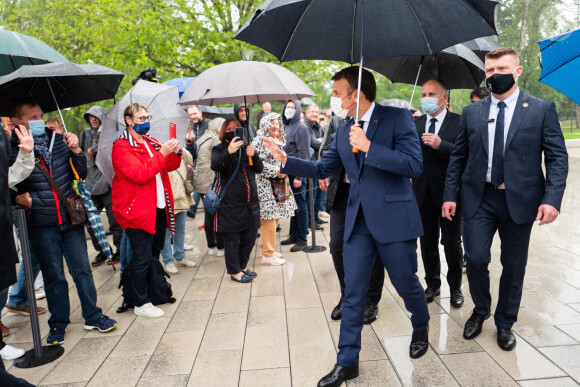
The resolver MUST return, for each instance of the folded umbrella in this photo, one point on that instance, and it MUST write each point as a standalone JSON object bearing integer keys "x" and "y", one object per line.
{"x": 17, "y": 50}
{"x": 60, "y": 85}
{"x": 161, "y": 102}
{"x": 560, "y": 60}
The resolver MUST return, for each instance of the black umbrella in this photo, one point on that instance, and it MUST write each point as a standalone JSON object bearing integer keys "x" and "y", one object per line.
{"x": 60, "y": 85}
{"x": 482, "y": 46}
{"x": 458, "y": 66}
{"x": 334, "y": 29}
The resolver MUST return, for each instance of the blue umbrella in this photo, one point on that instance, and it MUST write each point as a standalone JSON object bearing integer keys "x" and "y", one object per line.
{"x": 180, "y": 83}
{"x": 561, "y": 64}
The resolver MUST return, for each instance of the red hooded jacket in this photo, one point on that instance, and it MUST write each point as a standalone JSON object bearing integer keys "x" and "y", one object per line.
{"x": 134, "y": 190}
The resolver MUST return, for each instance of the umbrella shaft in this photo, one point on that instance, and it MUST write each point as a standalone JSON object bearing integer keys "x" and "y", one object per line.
{"x": 56, "y": 102}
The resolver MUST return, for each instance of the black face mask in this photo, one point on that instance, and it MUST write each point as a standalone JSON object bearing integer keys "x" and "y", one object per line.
{"x": 500, "y": 83}
{"x": 229, "y": 136}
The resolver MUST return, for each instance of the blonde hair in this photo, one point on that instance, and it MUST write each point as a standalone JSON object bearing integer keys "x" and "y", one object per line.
{"x": 54, "y": 120}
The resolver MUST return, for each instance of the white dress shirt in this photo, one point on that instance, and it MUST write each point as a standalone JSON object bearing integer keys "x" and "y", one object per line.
{"x": 509, "y": 109}
{"x": 439, "y": 117}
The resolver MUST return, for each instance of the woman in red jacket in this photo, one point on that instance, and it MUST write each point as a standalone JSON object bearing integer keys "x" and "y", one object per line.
{"x": 142, "y": 198}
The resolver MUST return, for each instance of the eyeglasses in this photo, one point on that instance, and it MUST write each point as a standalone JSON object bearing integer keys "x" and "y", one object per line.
{"x": 144, "y": 118}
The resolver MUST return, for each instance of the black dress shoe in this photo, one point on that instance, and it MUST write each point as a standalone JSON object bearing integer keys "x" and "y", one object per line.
{"x": 419, "y": 344}
{"x": 299, "y": 246}
{"x": 431, "y": 293}
{"x": 456, "y": 298}
{"x": 290, "y": 241}
{"x": 371, "y": 313}
{"x": 506, "y": 339}
{"x": 317, "y": 228}
{"x": 250, "y": 273}
{"x": 338, "y": 375}
{"x": 474, "y": 325}
{"x": 99, "y": 259}
{"x": 190, "y": 214}
{"x": 337, "y": 311}
{"x": 320, "y": 221}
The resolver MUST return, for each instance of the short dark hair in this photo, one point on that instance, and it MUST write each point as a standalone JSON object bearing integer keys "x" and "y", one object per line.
{"x": 441, "y": 83}
{"x": 14, "y": 104}
{"x": 368, "y": 85}
{"x": 480, "y": 92}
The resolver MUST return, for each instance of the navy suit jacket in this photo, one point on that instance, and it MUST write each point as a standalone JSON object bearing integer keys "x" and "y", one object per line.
{"x": 534, "y": 130}
{"x": 432, "y": 180}
{"x": 381, "y": 182}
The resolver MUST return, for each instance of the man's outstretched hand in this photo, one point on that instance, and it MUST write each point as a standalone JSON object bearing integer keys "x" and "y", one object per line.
{"x": 275, "y": 149}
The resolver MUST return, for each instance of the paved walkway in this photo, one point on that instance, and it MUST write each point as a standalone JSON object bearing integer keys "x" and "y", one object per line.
{"x": 277, "y": 331}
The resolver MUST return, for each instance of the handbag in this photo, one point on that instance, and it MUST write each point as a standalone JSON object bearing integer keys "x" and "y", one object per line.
{"x": 187, "y": 185}
{"x": 280, "y": 189}
{"x": 211, "y": 200}
{"x": 73, "y": 202}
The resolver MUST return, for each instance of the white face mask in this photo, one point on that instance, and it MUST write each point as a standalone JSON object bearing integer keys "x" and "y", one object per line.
{"x": 289, "y": 113}
{"x": 336, "y": 106}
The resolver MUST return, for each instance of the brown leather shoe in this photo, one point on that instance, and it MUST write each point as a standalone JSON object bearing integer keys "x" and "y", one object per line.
{"x": 24, "y": 310}
{"x": 5, "y": 330}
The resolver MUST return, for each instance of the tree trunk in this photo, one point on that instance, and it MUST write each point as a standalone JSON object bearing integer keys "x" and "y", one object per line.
{"x": 577, "y": 117}
{"x": 523, "y": 29}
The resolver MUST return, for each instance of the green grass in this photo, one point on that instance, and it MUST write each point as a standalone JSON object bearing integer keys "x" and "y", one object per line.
{"x": 569, "y": 136}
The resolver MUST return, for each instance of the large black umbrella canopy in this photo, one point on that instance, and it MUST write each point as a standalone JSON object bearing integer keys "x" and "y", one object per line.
{"x": 332, "y": 29}
{"x": 60, "y": 85}
{"x": 17, "y": 50}
{"x": 458, "y": 66}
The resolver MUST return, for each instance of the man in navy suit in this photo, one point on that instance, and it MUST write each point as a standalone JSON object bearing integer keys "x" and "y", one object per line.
{"x": 437, "y": 131}
{"x": 381, "y": 215}
{"x": 498, "y": 153}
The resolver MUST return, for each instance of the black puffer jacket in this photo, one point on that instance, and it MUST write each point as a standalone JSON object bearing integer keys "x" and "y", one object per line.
{"x": 333, "y": 180}
{"x": 8, "y": 258}
{"x": 44, "y": 204}
{"x": 240, "y": 207}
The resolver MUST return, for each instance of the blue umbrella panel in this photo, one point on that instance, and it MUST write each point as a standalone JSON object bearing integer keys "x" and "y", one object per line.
{"x": 560, "y": 60}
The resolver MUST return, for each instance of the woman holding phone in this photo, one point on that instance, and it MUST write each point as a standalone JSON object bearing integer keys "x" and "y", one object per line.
{"x": 238, "y": 216}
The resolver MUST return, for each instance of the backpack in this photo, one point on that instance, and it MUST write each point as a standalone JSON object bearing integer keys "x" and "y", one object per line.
{"x": 158, "y": 289}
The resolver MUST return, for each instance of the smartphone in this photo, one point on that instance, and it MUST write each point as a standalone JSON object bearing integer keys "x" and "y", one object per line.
{"x": 239, "y": 132}
{"x": 172, "y": 130}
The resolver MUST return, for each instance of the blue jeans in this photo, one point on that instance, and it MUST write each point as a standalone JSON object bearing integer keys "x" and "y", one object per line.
{"x": 50, "y": 243}
{"x": 177, "y": 252}
{"x": 126, "y": 253}
{"x": 19, "y": 297}
{"x": 299, "y": 222}
{"x": 196, "y": 198}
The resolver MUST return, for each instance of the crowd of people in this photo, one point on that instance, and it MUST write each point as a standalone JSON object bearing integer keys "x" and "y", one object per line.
{"x": 385, "y": 182}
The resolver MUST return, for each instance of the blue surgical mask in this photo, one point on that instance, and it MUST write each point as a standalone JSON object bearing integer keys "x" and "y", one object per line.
{"x": 37, "y": 127}
{"x": 142, "y": 128}
{"x": 429, "y": 105}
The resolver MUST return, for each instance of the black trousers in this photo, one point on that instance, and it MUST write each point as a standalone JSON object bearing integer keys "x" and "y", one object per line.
{"x": 146, "y": 247}
{"x": 237, "y": 249}
{"x": 491, "y": 217}
{"x": 451, "y": 241}
{"x": 337, "y": 222}
{"x": 101, "y": 202}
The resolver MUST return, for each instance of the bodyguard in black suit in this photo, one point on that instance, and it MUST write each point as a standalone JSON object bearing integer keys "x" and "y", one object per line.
{"x": 498, "y": 152}
{"x": 437, "y": 131}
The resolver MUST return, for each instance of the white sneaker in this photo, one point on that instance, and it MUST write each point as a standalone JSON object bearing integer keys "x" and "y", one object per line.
{"x": 221, "y": 253}
{"x": 213, "y": 251}
{"x": 39, "y": 293}
{"x": 170, "y": 268}
{"x": 11, "y": 353}
{"x": 148, "y": 310}
{"x": 185, "y": 263}
{"x": 187, "y": 247}
{"x": 277, "y": 254}
{"x": 273, "y": 261}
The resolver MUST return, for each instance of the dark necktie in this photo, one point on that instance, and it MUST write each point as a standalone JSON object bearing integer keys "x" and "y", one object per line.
{"x": 431, "y": 130}
{"x": 498, "y": 147}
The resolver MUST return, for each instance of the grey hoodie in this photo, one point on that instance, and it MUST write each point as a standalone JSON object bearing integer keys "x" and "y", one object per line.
{"x": 251, "y": 131}
{"x": 90, "y": 140}
{"x": 297, "y": 134}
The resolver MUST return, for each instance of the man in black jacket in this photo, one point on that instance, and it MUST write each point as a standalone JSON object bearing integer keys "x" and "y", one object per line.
{"x": 52, "y": 235}
{"x": 338, "y": 190}
{"x": 316, "y": 137}
{"x": 437, "y": 131}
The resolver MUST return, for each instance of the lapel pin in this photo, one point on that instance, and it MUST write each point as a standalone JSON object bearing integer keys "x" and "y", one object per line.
{"x": 525, "y": 104}
{"x": 376, "y": 121}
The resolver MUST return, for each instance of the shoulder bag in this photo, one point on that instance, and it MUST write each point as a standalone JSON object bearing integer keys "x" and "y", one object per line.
{"x": 211, "y": 200}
